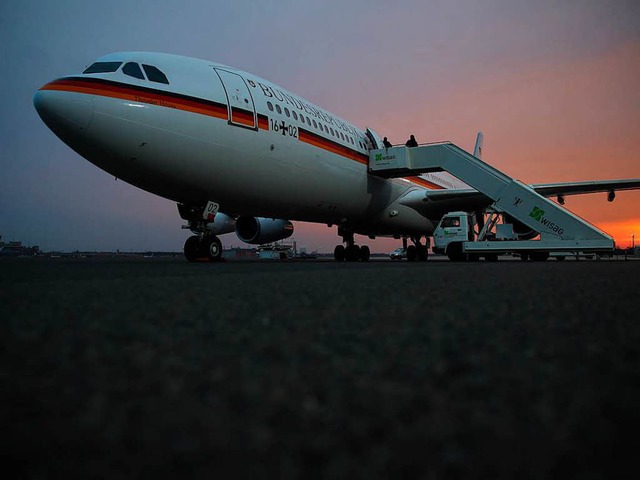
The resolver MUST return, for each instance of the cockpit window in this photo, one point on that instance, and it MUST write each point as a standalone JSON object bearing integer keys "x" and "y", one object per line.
{"x": 154, "y": 74}
{"x": 133, "y": 70}
{"x": 103, "y": 67}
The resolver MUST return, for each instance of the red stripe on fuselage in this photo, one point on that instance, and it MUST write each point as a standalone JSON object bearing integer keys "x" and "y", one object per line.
{"x": 134, "y": 93}
{"x": 331, "y": 146}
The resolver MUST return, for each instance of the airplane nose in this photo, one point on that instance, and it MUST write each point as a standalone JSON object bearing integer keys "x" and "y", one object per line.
{"x": 64, "y": 111}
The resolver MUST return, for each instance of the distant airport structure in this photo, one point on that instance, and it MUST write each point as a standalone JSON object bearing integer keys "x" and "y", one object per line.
{"x": 16, "y": 249}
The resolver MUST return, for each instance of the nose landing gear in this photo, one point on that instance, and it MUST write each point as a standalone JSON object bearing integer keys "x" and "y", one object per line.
{"x": 205, "y": 245}
{"x": 207, "y": 248}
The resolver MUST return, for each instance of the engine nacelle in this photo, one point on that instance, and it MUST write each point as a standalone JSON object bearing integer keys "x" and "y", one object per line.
{"x": 257, "y": 230}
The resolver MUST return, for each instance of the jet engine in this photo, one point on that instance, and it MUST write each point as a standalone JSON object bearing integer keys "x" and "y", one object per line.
{"x": 257, "y": 230}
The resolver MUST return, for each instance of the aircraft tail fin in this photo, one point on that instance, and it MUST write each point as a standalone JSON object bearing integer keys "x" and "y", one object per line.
{"x": 477, "y": 151}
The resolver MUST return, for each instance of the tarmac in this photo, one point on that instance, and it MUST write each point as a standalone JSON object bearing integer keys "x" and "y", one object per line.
{"x": 140, "y": 367}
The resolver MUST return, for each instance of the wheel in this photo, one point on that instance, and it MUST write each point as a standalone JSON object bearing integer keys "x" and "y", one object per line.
{"x": 411, "y": 253}
{"x": 213, "y": 248}
{"x": 339, "y": 253}
{"x": 365, "y": 253}
{"x": 454, "y": 252}
{"x": 193, "y": 248}
{"x": 524, "y": 257}
{"x": 352, "y": 253}
{"x": 539, "y": 256}
{"x": 422, "y": 253}
{"x": 560, "y": 258}
{"x": 491, "y": 257}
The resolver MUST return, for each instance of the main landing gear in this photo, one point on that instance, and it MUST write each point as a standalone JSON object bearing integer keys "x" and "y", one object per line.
{"x": 351, "y": 252}
{"x": 416, "y": 252}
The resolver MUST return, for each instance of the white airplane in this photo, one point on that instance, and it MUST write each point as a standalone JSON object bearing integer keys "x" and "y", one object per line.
{"x": 239, "y": 153}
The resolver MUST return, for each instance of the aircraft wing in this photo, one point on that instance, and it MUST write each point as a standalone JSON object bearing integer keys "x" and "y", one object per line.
{"x": 576, "y": 188}
{"x": 435, "y": 203}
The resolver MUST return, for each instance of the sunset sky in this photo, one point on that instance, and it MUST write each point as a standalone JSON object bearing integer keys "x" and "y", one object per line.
{"x": 554, "y": 86}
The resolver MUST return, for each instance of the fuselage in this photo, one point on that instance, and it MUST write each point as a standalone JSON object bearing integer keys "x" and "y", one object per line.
{"x": 192, "y": 131}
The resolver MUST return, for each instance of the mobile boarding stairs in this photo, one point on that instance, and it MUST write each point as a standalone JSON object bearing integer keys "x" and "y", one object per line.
{"x": 560, "y": 230}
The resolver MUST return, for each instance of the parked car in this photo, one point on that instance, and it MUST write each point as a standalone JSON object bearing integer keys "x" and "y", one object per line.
{"x": 398, "y": 254}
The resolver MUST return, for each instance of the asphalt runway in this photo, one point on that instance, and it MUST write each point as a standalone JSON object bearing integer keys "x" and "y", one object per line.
{"x": 135, "y": 367}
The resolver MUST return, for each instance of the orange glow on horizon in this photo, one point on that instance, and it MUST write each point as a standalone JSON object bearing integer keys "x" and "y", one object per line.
{"x": 622, "y": 230}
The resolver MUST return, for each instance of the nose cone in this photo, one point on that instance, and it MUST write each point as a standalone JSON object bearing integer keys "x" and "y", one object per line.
{"x": 64, "y": 112}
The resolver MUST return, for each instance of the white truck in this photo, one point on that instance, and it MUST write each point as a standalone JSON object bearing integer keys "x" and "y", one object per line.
{"x": 455, "y": 236}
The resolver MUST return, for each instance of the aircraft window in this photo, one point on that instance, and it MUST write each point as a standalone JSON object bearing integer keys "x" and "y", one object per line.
{"x": 103, "y": 67}
{"x": 286, "y": 111}
{"x": 326, "y": 129}
{"x": 278, "y": 108}
{"x": 295, "y": 115}
{"x": 133, "y": 70}
{"x": 342, "y": 135}
{"x": 352, "y": 143}
{"x": 331, "y": 131}
{"x": 154, "y": 74}
{"x": 315, "y": 124}
{"x": 270, "y": 106}
{"x": 302, "y": 118}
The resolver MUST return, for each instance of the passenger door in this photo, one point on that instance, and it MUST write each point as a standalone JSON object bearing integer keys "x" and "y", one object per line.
{"x": 242, "y": 111}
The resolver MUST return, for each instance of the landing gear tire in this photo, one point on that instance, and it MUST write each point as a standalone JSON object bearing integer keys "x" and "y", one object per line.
{"x": 199, "y": 249}
{"x": 193, "y": 248}
{"x": 339, "y": 253}
{"x": 411, "y": 253}
{"x": 352, "y": 253}
{"x": 491, "y": 257}
{"x": 422, "y": 253}
{"x": 365, "y": 253}
{"x": 213, "y": 248}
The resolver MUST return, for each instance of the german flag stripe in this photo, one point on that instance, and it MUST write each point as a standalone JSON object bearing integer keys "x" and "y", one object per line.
{"x": 331, "y": 146}
{"x": 243, "y": 117}
{"x": 263, "y": 122}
